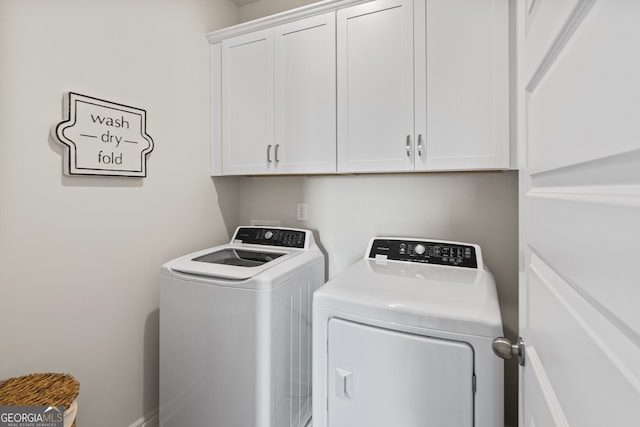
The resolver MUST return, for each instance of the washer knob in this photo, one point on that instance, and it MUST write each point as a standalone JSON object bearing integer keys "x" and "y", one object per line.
{"x": 419, "y": 249}
{"x": 268, "y": 234}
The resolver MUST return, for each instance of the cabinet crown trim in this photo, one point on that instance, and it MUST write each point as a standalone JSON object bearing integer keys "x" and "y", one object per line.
{"x": 280, "y": 18}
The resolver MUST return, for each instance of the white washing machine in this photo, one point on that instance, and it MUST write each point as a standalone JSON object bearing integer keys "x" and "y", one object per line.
{"x": 235, "y": 331}
{"x": 403, "y": 338}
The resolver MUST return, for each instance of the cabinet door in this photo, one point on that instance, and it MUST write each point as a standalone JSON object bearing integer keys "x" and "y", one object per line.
{"x": 305, "y": 96}
{"x": 375, "y": 87}
{"x": 462, "y": 83}
{"x": 247, "y": 103}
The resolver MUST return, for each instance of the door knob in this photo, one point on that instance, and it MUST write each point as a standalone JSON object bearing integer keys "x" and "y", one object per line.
{"x": 504, "y": 348}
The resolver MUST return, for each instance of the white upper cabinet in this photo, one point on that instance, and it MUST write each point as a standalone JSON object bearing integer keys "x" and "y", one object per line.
{"x": 350, "y": 86}
{"x": 247, "y": 103}
{"x": 278, "y": 100}
{"x": 423, "y": 85}
{"x": 305, "y": 96}
{"x": 462, "y": 84}
{"x": 375, "y": 87}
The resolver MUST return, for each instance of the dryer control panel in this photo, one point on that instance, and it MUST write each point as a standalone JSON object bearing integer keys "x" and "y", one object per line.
{"x": 424, "y": 251}
{"x": 287, "y": 237}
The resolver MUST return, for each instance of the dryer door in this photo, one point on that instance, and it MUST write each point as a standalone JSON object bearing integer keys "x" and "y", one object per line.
{"x": 381, "y": 378}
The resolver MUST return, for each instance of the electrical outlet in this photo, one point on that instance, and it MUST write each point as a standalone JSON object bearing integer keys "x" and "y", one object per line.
{"x": 301, "y": 212}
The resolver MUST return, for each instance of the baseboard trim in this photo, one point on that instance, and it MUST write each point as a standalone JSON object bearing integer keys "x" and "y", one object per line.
{"x": 150, "y": 420}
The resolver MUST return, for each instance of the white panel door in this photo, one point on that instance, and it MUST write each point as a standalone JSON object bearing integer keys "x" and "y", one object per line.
{"x": 375, "y": 87}
{"x": 383, "y": 378}
{"x": 247, "y": 103}
{"x": 462, "y": 84}
{"x": 305, "y": 96}
{"x": 580, "y": 221}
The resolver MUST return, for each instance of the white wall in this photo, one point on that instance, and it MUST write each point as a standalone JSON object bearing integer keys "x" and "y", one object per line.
{"x": 80, "y": 257}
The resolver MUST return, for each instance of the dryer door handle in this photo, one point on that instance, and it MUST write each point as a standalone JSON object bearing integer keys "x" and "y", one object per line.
{"x": 344, "y": 383}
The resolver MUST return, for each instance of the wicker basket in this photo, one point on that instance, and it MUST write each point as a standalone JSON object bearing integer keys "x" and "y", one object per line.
{"x": 42, "y": 390}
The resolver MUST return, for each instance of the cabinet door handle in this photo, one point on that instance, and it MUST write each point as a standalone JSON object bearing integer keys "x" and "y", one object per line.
{"x": 269, "y": 153}
{"x": 276, "y": 153}
{"x": 408, "y": 145}
{"x": 420, "y": 145}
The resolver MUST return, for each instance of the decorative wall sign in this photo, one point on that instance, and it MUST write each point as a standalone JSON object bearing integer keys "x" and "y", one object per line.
{"x": 103, "y": 138}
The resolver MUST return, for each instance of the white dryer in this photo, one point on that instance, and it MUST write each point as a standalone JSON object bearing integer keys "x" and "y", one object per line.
{"x": 403, "y": 338}
{"x": 235, "y": 331}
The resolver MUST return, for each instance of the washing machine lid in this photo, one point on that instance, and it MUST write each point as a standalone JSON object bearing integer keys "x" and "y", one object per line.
{"x": 239, "y": 257}
{"x": 230, "y": 262}
{"x": 441, "y": 297}
{"x": 252, "y": 251}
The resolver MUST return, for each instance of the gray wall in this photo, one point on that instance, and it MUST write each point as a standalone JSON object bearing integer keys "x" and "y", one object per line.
{"x": 80, "y": 257}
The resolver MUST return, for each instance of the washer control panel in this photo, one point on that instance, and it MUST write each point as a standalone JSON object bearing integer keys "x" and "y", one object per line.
{"x": 286, "y": 237}
{"x": 426, "y": 252}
